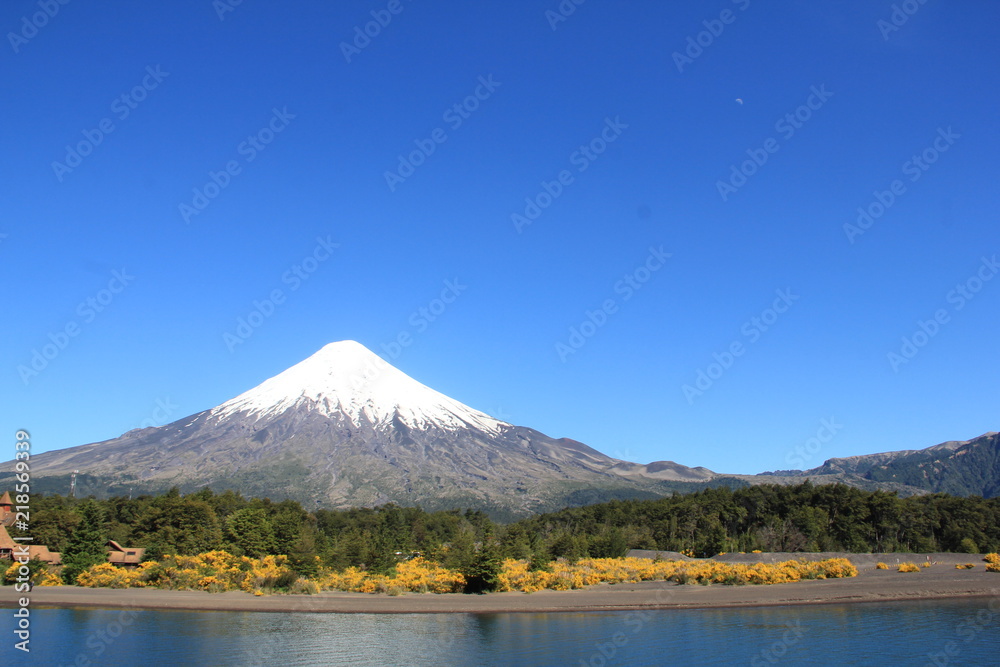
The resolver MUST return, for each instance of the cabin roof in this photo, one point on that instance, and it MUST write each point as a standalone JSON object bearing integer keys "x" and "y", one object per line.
{"x": 6, "y": 542}
{"x": 124, "y": 555}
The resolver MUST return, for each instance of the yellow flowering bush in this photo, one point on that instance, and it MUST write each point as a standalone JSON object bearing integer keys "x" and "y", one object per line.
{"x": 10, "y": 574}
{"x": 414, "y": 576}
{"x": 49, "y": 578}
{"x": 218, "y": 571}
{"x": 347, "y": 580}
{"x": 515, "y": 574}
{"x": 881, "y": 566}
{"x": 909, "y": 567}
{"x": 213, "y": 571}
{"x": 212, "y": 584}
{"x": 965, "y": 566}
{"x": 43, "y": 576}
{"x": 106, "y": 575}
{"x": 420, "y": 575}
{"x": 992, "y": 562}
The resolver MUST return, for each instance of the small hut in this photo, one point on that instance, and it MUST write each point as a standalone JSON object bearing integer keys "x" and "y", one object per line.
{"x": 126, "y": 557}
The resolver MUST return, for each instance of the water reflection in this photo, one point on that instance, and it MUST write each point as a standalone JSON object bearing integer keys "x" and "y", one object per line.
{"x": 867, "y": 634}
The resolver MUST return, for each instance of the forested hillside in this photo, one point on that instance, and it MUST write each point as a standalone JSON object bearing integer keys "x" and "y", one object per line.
{"x": 768, "y": 517}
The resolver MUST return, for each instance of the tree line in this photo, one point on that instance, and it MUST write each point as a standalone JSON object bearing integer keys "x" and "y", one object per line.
{"x": 804, "y": 517}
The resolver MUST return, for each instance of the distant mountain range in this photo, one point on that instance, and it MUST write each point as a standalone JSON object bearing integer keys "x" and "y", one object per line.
{"x": 961, "y": 468}
{"x": 345, "y": 428}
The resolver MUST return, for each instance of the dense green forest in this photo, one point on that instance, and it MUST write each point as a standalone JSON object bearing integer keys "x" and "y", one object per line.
{"x": 768, "y": 517}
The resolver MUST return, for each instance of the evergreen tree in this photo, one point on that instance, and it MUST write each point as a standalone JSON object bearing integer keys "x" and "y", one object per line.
{"x": 88, "y": 544}
{"x": 303, "y": 552}
{"x": 482, "y": 573}
{"x": 251, "y": 532}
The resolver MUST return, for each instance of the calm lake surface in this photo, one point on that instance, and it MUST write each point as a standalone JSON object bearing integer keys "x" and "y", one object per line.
{"x": 900, "y": 633}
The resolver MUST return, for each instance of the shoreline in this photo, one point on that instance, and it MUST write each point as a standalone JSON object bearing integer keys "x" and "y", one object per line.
{"x": 941, "y": 581}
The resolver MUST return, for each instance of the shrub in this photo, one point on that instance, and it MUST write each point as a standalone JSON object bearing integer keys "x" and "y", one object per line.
{"x": 286, "y": 579}
{"x": 106, "y": 575}
{"x": 38, "y": 570}
{"x": 881, "y": 566}
{"x": 219, "y": 571}
{"x": 966, "y": 566}
{"x": 515, "y": 574}
{"x": 417, "y": 576}
{"x": 303, "y": 586}
{"x": 212, "y": 571}
{"x": 909, "y": 567}
{"x": 968, "y": 545}
{"x": 49, "y": 578}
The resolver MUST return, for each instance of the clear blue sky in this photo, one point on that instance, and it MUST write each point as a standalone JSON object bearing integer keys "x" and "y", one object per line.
{"x": 267, "y": 93}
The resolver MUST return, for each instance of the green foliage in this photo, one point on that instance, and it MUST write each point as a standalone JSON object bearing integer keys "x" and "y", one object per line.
{"x": 303, "y": 549}
{"x": 172, "y": 525}
{"x": 804, "y": 517}
{"x": 968, "y": 546}
{"x": 87, "y": 544}
{"x": 250, "y": 532}
{"x": 51, "y": 527}
{"x": 611, "y": 543}
{"x": 482, "y": 572}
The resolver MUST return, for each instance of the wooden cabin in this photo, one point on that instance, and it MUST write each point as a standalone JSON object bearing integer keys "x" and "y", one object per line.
{"x": 127, "y": 557}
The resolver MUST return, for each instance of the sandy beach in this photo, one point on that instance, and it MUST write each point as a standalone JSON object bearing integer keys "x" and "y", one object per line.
{"x": 939, "y": 581}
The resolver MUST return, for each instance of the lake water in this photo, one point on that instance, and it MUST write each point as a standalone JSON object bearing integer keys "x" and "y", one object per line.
{"x": 900, "y": 633}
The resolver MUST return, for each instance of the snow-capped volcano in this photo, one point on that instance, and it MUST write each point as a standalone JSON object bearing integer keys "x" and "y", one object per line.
{"x": 347, "y": 379}
{"x": 346, "y": 428}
